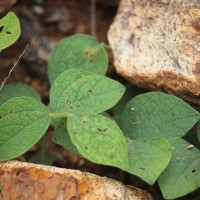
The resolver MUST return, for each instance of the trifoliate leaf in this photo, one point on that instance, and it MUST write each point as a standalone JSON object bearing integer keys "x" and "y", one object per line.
{"x": 160, "y": 115}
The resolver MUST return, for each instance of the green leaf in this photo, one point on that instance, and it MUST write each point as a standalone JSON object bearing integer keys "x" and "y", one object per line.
{"x": 9, "y": 30}
{"x": 61, "y": 137}
{"x": 160, "y": 115}
{"x": 148, "y": 157}
{"x": 131, "y": 91}
{"x": 182, "y": 176}
{"x": 54, "y": 121}
{"x": 99, "y": 139}
{"x": 12, "y": 90}
{"x": 80, "y": 92}
{"x": 77, "y": 52}
{"x": 23, "y": 121}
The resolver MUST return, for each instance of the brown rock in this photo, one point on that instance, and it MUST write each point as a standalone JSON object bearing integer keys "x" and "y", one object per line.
{"x": 6, "y": 4}
{"x": 24, "y": 181}
{"x": 156, "y": 45}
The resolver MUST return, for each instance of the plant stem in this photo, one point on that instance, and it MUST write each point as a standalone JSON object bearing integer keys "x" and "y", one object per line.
{"x": 59, "y": 115}
{"x": 21, "y": 158}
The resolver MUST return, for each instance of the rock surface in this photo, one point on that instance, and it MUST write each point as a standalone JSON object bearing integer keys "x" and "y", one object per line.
{"x": 24, "y": 181}
{"x": 156, "y": 45}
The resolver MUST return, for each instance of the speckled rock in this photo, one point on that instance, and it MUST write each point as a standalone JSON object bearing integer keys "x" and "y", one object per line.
{"x": 156, "y": 45}
{"x": 24, "y": 181}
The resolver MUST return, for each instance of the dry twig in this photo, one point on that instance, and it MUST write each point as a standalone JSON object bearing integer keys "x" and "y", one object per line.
{"x": 4, "y": 81}
{"x": 93, "y": 18}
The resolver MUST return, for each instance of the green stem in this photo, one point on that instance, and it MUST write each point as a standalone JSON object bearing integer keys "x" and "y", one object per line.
{"x": 21, "y": 158}
{"x": 43, "y": 148}
{"x": 59, "y": 115}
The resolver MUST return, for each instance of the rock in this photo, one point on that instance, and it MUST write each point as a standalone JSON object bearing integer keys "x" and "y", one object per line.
{"x": 156, "y": 45}
{"x": 6, "y": 4}
{"x": 20, "y": 180}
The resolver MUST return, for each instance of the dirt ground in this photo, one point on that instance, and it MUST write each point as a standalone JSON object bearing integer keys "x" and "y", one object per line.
{"x": 43, "y": 25}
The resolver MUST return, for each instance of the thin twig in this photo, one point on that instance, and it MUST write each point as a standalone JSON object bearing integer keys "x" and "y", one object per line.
{"x": 93, "y": 18}
{"x": 4, "y": 81}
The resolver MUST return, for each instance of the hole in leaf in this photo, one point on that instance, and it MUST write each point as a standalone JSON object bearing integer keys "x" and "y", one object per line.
{"x": 194, "y": 170}
{"x": 142, "y": 168}
{"x": 86, "y": 148}
{"x": 8, "y": 32}
{"x": 102, "y": 129}
{"x": 1, "y": 117}
{"x": 84, "y": 121}
{"x": 1, "y": 28}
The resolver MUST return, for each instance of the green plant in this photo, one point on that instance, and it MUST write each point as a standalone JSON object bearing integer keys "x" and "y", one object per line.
{"x": 149, "y": 143}
{"x": 9, "y": 30}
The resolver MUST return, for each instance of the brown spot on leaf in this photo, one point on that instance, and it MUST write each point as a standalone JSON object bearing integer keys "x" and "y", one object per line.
{"x": 194, "y": 170}
{"x": 89, "y": 90}
{"x": 89, "y": 52}
{"x": 71, "y": 108}
{"x": 11, "y": 111}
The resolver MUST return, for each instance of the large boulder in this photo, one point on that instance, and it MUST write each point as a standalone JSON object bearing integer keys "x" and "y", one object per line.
{"x": 156, "y": 45}
{"x": 20, "y": 180}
